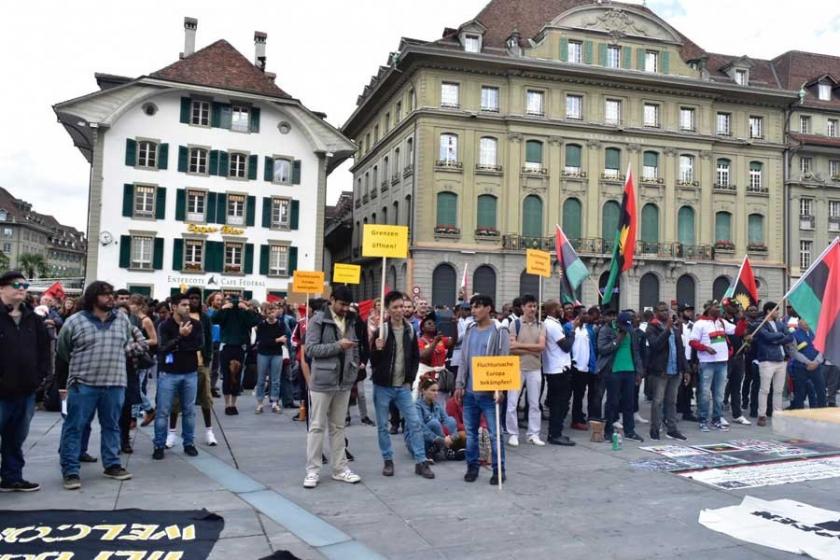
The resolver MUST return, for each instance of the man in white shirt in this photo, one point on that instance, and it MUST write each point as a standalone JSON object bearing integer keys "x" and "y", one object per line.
{"x": 557, "y": 367}
{"x": 708, "y": 337}
{"x": 527, "y": 340}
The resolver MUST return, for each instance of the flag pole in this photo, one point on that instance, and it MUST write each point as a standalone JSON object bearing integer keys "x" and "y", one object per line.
{"x": 758, "y": 328}
{"x": 499, "y": 469}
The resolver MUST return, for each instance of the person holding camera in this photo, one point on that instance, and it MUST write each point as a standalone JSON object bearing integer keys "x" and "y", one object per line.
{"x": 235, "y": 319}
{"x": 620, "y": 364}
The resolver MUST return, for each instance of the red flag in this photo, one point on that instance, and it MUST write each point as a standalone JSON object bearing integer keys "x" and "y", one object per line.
{"x": 625, "y": 237}
{"x": 272, "y": 298}
{"x": 744, "y": 290}
{"x": 365, "y": 307}
{"x": 56, "y": 291}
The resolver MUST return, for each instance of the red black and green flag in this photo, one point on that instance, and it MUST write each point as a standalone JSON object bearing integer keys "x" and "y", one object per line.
{"x": 573, "y": 271}
{"x": 744, "y": 290}
{"x": 816, "y": 298}
{"x": 625, "y": 237}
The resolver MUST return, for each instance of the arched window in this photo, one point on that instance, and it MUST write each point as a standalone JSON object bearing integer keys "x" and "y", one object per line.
{"x": 724, "y": 176}
{"x": 573, "y": 160}
{"x": 572, "y": 218}
{"x": 443, "y": 285}
{"x": 685, "y": 225}
{"x": 723, "y": 226}
{"x": 719, "y": 287}
{"x": 486, "y": 212}
{"x": 532, "y": 213}
{"x": 487, "y": 153}
{"x": 609, "y": 224}
{"x": 756, "y": 177}
{"x": 612, "y": 163}
{"x": 533, "y": 155}
{"x": 392, "y": 278}
{"x": 484, "y": 281}
{"x": 648, "y": 291}
{"x": 529, "y": 284}
{"x": 686, "y": 290}
{"x": 755, "y": 229}
{"x": 447, "y": 209}
{"x": 650, "y": 226}
{"x": 602, "y": 284}
{"x": 686, "y": 169}
{"x": 396, "y": 212}
{"x": 650, "y": 170}
{"x": 448, "y": 147}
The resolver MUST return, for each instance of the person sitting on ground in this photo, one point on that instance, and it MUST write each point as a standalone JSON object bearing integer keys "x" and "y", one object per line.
{"x": 440, "y": 431}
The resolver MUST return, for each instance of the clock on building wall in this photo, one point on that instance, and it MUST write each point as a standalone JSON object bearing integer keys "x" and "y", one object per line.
{"x": 106, "y": 238}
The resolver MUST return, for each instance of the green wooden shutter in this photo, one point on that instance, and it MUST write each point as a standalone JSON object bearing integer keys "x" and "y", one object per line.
{"x": 186, "y": 109}
{"x": 254, "y": 123}
{"x": 723, "y": 226}
{"x": 665, "y": 62}
{"x": 602, "y": 54}
{"x": 214, "y": 253}
{"x": 292, "y": 260}
{"x": 612, "y": 158}
{"x": 294, "y": 214}
{"x": 157, "y": 254}
{"x": 130, "y": 152}
{"x": 573, "y": 155}
{"x": 178, "y": 254}
{"x": 268, "y": 169}
{"x": 249, "y": 258}
{"x": 532, "y": 212}
{"x": 296, "y": 172}
{"x": 221, "y": 208}
{"x": 650, "y": 223}
{"x": 183, "y": 159}
{"x": 640, "y": 59}
{"x": 210, "y": 205}
{"x": 685, "y": 225}
{"x": 250, "y": 211}
{"x": 174, "y": 291}
{"x": 248, "y": 294}
{"x": 755, "y": 228}
{"x": 214, "y": 162}
{"x": 125, "y": 251}
{"x": 564, "y": 49}
{"x": 487, "y": 211}
{"x": 128, "y": 200}
{"x": 534, "y": 151}
{"x": 264, "y": 256}
{"x": 253, "y": 162}
{"x": 587, "y": 52}
{"x": 160, "y": 203}
{"x": 572, "y": 218}
{"x": 216, "y": 115}
{"x": 226, "y": 116}
{"x": 224, "y": 164}
{"x": 627, "y": 58}
{"x": 447, "y": 209}
{"x": 266, "y": 212}
{"x": 181, "y": 204}
{"x": 651, "y": 159}
{"x": 163, "y": 156}
{"x": 609, "y": 221}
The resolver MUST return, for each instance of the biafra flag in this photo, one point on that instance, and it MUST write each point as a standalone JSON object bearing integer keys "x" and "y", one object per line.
{"x": 573, "y": 271}
{"x": 625, "y": 237}
{"x": 744, "y": 290}
{"x": 816, "y": 298}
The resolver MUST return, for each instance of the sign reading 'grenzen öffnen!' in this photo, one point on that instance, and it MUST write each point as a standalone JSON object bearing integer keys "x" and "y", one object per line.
{"x": 496, "y": 373}
{"x": 385, "y": 241}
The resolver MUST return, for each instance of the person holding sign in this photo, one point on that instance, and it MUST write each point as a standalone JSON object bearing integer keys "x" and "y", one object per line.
{"x": 332, "y": 345}
{"x": 395, "y": 358}
{"x": 482, "y": 338}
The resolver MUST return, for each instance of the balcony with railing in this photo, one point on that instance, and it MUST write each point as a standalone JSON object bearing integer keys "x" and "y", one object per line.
{"x": 573, "y": 173}
{"x": 612, "y": 176}
{"x": 603, "y": 247}
{"x": 534, "y": 171}
{"x": 395, "y": 178}
{"x": 728, "y": 188}
{"x": 488, "y": 169}
{"x": 384, "y": 186}
{"x": 807, "y": 222}
{"x": 408, "y": 170}
{"x": 758, "y": 189}
{"x": 449, "y": 165}
{"x": 834, "y": 224}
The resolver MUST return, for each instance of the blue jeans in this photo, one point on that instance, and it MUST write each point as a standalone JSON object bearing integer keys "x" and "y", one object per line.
{"x": 711, "y": 385}
{"x": 621, "y": 396}
{"x": 476, "y": 404}
{"x": 82, "y": 402}
{"x": 185, "y": 386}
{"x": 15, "y": 416}
{"x": 401, "y": 397}
{"x": 271, "y": 366}
{"x": 434, "y": 430}
{"x": 810, "y": 384}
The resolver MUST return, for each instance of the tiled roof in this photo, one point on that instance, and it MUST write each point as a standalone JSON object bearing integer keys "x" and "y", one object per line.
{"x": 796, "y": 68}
{"x": 220, "y": 65}
{"x": 761, "y": 71}
{"x": 815, "y": 140}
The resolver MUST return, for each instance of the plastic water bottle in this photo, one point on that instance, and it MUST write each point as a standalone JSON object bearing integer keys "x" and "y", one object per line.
{"x": 616, "y": 442}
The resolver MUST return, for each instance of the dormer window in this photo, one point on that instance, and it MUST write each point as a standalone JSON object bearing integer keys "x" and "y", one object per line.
{"x": 3, "y": 215}
{"x": 824, "y": 91}
{"x": 741, "y": 77}
{"x": 472, "y": 43}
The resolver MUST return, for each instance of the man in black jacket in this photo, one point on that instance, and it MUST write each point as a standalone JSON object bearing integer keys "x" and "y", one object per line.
{"x": 24, "y": 360}
{"x": 666, "y": 366}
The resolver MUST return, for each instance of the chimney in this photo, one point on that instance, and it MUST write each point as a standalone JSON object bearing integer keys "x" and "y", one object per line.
{"x": 190, "y": 26}
{"x": 259, "y": 49}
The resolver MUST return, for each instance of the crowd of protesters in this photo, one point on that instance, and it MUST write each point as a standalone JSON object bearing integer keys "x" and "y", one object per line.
{"x": 99, "y": 356}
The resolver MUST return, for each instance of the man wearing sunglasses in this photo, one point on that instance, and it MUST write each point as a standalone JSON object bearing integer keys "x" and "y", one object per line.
{"x": 24, "y": 360}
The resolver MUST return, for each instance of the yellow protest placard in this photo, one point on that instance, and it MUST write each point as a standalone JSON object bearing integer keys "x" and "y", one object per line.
{"x": 538, "y": 262}
{"x": 308, "y": 282}
{"x": 385, "y": 241}
{"x": 346, "y": 273}
{"x": 496, "y": 373}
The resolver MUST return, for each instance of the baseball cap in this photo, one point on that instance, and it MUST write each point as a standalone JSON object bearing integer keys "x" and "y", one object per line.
{"x": 9, "y": 277}
{"x": 685, "y": 306}
{"x": 625, "y": 320}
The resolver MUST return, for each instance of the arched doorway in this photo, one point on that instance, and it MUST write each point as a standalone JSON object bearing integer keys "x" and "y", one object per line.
{"x": 648, "y": 291}
{"x": 686, "y": 290}
{"x": 528, "y": 284}
{"x": 484, "y": 281}
{"x": 602, "y": 284}
{"x": 443, "y": 285}
{"x": 719, "y": 287}
{"x": 392, "y": 278}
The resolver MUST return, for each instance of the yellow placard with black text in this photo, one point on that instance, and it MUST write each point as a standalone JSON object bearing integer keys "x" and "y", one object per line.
{"x": 538, "y": 262}
{"x": 308, "y": 282}
{"x": 385, "y": 241}
{"x": 346, "y": 273}
{"x": 496, "y": 373}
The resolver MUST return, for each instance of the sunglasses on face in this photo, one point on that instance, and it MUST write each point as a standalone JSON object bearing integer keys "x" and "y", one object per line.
{"x": 20, "y": 285}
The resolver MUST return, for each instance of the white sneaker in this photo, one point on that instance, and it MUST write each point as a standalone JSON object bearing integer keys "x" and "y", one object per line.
{"x": 741, "y": 420}
{"x": 723, "y": 421}
{"x": 311, "y": 480}
{"x": 347, "y": 476}
{"x": 259, "y": 409}
{"x": 210, "y": 437}
{"x": 171, "y": 439}
{"x": 275, "y": 408}
{"x": 639, "y": 419}
{"x": 535, "y": 440}
{"x": 618, "y": 425}
{"x": 513, "y": 441}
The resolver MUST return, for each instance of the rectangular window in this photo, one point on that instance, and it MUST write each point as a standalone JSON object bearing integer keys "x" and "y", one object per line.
{"x": 238, "y": 165}
{"x": 687, "y": 118}
{"x": 612, "y": 112}
{"x": 194, "y": 255}
{"x": 805, "y": 164}
{"x": 233, "y": 257}
{"x": 376, "y": 134}
{"x": 825, "y": 92}
{"x": 834, "y": 168}
{"x": 574, "y": 107}
{"x": 686, "y": 169}
{"x": 613, "y": 56}
{"x": 235, "y": 210}
{"x": 198, "y": 161}
{"x": 755, "y": 177}
{"x": 536, "y": 103}
{"x": 724, "y": 124}
{"x": 280, "y": 213}
{"x": 723, "y": 173}
{"x": 278, "y": 261}
{"x": 200, "y": 113}
{"x": 805, "y": 124}
{"x": 834, "y": 208}
{"x": 575, "y": 52}
{"x": 146, "y": 154}
{"x": 282, "y": 172}
{"x": 240, "y": 118}
{"x": 398, "y": 112}
{"x": 487, "y": 152}
{"x": 756, "y": 127}
{"x": 490, "y": 99}
{"x": 449, "y": 94}
{"x": 141, "y": 252}
{"x": 472, "y": 43}
{"x": 651, "y": 115}
{"x": 144, "y": 201}
{"x": 741, "y": 77}
{"x": 652, "y": 61}
{"x": 196, "y": 205}
{"x": 832, "y": 127}
{"x": 805, "y": 254}
{"x": 806, "y": 207}
{"x": 412, "y": 100}
{"x": 7, "y": 247}
{"x": 387, "y": 122}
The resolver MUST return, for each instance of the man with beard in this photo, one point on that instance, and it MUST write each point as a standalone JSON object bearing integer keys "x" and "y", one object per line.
{"x": 666, "y": 364}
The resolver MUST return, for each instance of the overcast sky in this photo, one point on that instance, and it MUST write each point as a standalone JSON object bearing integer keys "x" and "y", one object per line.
{"x": 323, "y": 52}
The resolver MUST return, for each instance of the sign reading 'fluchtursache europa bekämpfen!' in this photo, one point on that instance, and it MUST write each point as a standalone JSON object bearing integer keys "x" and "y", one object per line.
{"x": 495, "y": 373}
{"x": 308, "y": 282}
